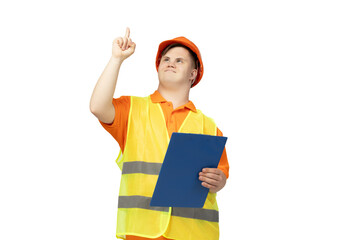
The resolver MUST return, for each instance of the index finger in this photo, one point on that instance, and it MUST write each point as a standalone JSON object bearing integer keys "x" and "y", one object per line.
{"x": 211, "y": 170}
{"x": 127, "y": 34}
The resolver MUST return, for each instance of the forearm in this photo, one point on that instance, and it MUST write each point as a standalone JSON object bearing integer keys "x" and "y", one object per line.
{"x": 105, "y": 87}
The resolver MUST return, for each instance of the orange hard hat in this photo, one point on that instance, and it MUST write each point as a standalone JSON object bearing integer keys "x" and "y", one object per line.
{"x": 186, "y": 42}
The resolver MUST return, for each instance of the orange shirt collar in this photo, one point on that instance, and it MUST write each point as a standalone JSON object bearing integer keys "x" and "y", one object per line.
{"x": 157, "y": 98}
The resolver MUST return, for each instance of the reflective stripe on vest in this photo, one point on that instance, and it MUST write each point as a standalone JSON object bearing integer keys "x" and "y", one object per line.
{"x": 144, "y": 203}
{"x": 146, "y": 143}
{"x": 141, "y": 167}
{"x": 138, "y": 202}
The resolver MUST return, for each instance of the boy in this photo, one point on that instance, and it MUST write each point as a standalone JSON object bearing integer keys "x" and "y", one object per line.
{"x": 143, "y": 126}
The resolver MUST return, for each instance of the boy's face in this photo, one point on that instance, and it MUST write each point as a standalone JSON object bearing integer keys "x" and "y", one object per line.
{"x": 176, "y": 66}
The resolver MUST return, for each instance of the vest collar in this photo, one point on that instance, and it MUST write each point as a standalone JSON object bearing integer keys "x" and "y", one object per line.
{"x": 157, "y": 98}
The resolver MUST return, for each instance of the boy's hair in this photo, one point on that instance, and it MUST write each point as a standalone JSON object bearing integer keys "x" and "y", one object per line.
{"x": 193, "y": 55}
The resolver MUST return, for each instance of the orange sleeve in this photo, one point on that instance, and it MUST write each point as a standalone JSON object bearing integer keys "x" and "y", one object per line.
{"x": 223, "y": 164}
{"x": 118, "y": 128}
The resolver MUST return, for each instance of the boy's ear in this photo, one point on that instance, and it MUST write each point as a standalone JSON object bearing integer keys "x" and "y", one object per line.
{"x": 194, "y": 74}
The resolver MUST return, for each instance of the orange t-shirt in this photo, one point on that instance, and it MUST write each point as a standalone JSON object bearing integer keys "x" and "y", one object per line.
{"x": 173, "y": 117}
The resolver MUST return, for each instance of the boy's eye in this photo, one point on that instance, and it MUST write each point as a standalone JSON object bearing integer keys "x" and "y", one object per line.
{"x": 179, "y": 60}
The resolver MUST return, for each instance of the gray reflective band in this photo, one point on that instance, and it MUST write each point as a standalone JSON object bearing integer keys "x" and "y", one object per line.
{"x": 144, "y": 203}
{"x": 138, "y": 202}
{"x": 196, "y": 213}
{"x": 141, "y": 167}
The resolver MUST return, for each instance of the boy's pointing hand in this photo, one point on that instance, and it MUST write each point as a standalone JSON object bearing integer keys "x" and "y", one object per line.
{"x": 123, "y": 47}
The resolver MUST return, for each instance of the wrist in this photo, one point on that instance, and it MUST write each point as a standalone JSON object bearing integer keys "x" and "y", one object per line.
{"x": 118, "y": 60}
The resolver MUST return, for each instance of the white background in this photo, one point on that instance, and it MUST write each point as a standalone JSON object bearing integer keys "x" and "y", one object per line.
{"x": 281, "y": 80}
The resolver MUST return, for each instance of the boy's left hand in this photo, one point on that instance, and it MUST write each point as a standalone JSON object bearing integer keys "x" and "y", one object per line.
{"x": 212, "y": 178}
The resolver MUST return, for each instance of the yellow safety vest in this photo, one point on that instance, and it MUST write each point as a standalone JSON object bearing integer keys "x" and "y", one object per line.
{"x": 146, "y": 144}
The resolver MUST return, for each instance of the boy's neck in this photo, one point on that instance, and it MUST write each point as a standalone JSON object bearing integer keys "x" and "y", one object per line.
{"x": 177, "y": 97}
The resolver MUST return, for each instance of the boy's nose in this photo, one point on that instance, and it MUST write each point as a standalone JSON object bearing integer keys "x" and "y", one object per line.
{"x": 171, "y": 64}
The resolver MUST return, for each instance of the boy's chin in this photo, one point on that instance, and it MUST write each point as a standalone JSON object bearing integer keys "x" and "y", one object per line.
{"x": 170, "y": 81}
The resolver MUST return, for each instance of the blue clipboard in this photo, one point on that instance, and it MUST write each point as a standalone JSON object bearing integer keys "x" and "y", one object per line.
{"x": 178, "y": 184}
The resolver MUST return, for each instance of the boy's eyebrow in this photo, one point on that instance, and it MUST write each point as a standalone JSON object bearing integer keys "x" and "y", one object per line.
{"x": 175, "y": 58}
